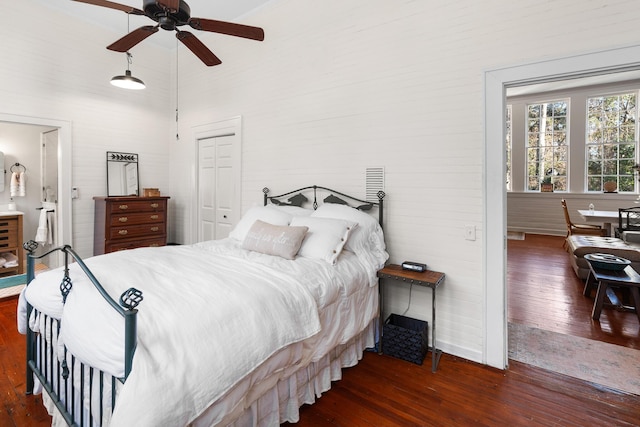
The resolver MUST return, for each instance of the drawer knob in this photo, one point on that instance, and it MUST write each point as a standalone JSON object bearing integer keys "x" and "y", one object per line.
{"x": 155, "y": 228}
{"x": 154, "y": 205}
{"x": 154, "y": 245}
{"x": 123, "y": 207}
{"x": 154, "y": 216}
{"x": 122, "y": 232}
{"x": 123, "y": 219}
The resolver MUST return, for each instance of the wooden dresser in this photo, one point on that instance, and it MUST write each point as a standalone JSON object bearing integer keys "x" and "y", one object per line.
{"x": 11, "y": 241}
{"x": 129, "y": 222}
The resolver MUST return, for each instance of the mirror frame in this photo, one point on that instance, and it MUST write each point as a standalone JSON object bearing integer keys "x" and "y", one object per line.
{"x": 117, "y": 158}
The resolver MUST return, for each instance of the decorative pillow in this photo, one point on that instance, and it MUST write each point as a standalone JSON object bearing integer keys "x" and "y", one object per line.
{"x": 366, "y": 240}
{"x": 261, "y": 213}
{"x": 292, "y": 210}
{"x": 326, "y": 237}
{"x": 278, "y": 240}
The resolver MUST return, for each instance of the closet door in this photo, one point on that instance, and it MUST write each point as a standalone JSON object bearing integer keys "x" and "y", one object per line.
{"x": 216, "y": 185}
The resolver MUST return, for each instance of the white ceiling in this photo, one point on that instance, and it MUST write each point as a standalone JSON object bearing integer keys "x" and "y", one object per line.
{"x": 223, "y": 10}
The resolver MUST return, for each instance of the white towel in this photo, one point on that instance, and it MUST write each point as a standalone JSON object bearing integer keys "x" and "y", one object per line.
{"x": 41, "y": 233}
{"x": 18, "y": 184}
{"x": 12, "y": 260}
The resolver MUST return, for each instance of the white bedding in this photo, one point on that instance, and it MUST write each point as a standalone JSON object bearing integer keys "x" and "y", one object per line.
{"x": 202, "y": 332}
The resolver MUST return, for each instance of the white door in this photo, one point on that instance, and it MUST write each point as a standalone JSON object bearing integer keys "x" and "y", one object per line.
{"x": 216, "y": 186}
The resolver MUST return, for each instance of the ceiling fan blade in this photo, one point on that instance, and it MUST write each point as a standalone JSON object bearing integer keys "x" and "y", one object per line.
{"x": 133, "y": 38}
{"x": 112, "y": 5}
{"x": 172, "y": 5}
{"x": 198, "y": 48}
{"x": 229, "y": 28}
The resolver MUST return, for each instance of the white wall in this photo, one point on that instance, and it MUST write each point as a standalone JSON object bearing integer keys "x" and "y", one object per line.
{"x": 336, "y": 87}
{"x": 57, "y": 67}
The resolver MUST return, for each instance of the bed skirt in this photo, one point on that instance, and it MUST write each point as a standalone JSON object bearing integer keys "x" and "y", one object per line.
{"x": 280, "y": 402}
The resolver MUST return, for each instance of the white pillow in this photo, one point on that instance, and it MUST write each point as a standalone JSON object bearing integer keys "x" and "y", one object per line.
{"x": 325, "y": 238}
{"x": 292, "y": 210}
{"x": 366, "y": 240}
{"x": 278, "y": 240}
{"x": 261, "y": 213}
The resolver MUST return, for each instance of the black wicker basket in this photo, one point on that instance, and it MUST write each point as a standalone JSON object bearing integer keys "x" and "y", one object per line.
{"x": 405, "y": 338}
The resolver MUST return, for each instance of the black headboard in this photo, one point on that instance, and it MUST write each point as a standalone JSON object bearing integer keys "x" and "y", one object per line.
{"x": 298, "y": 198}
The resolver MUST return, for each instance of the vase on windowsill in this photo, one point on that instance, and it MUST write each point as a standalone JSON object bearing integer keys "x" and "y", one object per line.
{"x": 546, "y": 187}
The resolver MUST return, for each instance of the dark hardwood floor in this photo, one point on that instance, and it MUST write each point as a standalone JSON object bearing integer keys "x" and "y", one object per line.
{"x": 543, "y": 291}
{"x": 383, "y": 391}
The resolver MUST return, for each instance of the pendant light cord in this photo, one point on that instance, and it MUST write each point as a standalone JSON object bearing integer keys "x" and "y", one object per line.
{"x": 177, "y": 92}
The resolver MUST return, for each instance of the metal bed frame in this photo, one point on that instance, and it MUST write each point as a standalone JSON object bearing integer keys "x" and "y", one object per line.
{"x": 58, "y": 377}
{"x": 299, "y": 199}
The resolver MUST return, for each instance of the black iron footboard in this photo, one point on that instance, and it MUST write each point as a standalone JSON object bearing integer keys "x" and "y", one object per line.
{"x": 70, "y": 383}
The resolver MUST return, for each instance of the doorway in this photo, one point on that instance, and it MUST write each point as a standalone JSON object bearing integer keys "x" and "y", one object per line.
{"x": 496, "y": 82}
{"x": 57, "y": 135}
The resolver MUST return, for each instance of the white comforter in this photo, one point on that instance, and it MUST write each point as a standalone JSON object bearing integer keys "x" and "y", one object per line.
{"x": 211, "y": 314}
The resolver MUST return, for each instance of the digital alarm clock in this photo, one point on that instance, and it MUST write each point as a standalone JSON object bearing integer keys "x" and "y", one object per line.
{"x": 414, "y": 266}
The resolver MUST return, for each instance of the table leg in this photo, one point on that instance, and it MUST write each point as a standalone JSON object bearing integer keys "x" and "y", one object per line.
{"x": 599, "y": 302}
{"x": 589, "y": 284}
{"x": 636, "y": 300}
{"x": 435, "y": 353}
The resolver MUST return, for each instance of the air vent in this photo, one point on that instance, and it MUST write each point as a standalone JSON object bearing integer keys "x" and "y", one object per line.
{"x": 374, "y": 183}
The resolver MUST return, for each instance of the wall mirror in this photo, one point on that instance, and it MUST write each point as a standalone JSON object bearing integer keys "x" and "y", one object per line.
{"x": 122, "y": 174}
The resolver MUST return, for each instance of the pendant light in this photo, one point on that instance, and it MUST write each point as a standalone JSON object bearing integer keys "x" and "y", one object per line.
{"x": 128, "y": 81}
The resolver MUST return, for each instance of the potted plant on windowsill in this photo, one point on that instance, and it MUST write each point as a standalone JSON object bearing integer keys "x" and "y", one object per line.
{"x": 546, "y": 186}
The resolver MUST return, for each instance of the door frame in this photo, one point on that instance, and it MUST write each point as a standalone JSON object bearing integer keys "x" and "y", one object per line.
{"x": 232, "y": 126}
{"x": 496, "y": 82}
{"x": 65, "y": 212}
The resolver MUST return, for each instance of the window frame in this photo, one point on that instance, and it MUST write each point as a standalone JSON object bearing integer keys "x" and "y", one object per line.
{"x": 629, "y": 161}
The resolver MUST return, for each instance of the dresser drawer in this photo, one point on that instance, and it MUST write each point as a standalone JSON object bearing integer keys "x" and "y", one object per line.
{"x": 138, "y": 206}
{"x": 120, "y": 219}
{"x": 144, "y": 243}
{"x": 8, "y": 233}
{"x": 143, "y": 230}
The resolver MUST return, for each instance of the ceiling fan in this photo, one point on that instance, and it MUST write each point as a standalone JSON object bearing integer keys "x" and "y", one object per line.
{"x": 171, "y": 14}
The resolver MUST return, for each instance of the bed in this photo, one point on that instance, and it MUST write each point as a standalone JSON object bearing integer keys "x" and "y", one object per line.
{"x": 238, "y": 331}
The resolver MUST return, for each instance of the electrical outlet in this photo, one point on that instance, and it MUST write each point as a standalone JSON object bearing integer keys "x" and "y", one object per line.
{"x": 74, "y": 193}
{"x": 470, "y": 232}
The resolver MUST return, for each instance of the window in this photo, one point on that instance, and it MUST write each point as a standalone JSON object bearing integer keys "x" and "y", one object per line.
{"x": 547, "y": 145}
{"x": 611, "y": 142}
{"x": 508, "y": 142}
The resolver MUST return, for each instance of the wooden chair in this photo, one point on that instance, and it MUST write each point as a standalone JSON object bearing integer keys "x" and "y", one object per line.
{"x": 588, "y": 229}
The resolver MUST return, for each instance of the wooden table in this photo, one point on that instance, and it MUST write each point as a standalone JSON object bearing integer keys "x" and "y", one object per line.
{"x": 604, "y": 279}
{"x": 430, "y": 279}
{"x": 606, "y": 218}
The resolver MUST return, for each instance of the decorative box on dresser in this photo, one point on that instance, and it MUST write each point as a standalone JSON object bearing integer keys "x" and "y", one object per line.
{"x": 129, "y": 222}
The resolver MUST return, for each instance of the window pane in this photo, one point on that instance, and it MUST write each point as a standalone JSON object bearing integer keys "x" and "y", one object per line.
{"x": 547, "y": 144}
{"x": 611, "y": 143}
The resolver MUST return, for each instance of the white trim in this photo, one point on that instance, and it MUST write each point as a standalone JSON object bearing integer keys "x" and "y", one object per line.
{"x": 495, "y": 83}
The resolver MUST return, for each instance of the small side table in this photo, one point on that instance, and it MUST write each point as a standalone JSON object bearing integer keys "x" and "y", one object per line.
{"x": 603, "y": 279}
{"x": 430, "y": 279}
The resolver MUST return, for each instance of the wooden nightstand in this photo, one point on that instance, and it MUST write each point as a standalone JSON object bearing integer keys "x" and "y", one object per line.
{"x": 430, "y": 279}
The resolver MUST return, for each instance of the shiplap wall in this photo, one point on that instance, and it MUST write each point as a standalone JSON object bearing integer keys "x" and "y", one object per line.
{"x": 57, "y": 67}
{"x": 335, "y": 87}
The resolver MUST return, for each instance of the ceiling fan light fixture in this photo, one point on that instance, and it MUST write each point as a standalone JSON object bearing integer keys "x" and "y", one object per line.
{"x": 128, "y": 81}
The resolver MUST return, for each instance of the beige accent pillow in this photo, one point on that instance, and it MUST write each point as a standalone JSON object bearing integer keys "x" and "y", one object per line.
{"x": 278, "y": 240}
